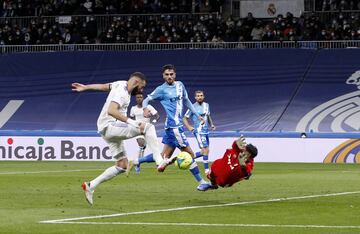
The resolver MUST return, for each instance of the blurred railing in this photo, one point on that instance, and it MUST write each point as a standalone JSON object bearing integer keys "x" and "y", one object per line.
{"x": 5, "y": 49}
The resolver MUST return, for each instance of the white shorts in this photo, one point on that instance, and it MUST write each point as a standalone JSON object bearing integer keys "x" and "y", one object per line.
{"x": 115, "y": 134}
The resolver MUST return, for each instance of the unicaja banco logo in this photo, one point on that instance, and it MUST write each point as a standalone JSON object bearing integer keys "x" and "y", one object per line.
{"x": 343, "y": 112}
{"x": 12, "y": 148}
{"x": 347, "y": 152}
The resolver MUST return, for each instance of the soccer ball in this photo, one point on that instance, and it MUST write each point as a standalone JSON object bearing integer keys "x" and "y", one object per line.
{"x": 183, "y": 160}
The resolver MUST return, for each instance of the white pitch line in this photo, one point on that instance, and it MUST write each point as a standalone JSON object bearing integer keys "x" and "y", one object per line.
{"x": 40, "y": 172}
{"x": 198, "y": 207}
{"x": 215, "y": 225}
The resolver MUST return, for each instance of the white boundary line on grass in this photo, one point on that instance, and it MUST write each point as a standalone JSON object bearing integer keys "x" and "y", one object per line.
{"x": 70, "y": 220}
{"x": 214, "y": 225}
{"x": 40, "y": 172}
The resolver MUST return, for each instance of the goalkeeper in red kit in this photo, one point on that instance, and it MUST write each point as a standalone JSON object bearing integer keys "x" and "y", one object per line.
{"x": 236, "y": 164}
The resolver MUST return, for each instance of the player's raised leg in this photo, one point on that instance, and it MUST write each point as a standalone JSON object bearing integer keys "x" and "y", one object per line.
{"x": 168, "y": 157}
{"x": 153, "y": 145}
{"x": 134, "y": 162}
{"x": 114, "y": 136}
{"x": 109, "y": 173}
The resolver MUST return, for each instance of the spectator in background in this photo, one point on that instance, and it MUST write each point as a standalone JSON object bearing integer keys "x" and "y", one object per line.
{"x": 337, "y": 5}
{"x": 257, "y": 32}
{"x": 10, "y": 8}
{"x": 164, "y": 28}
{"x": 91, "y": 28}
{"x": 268, "y": 36}
{"x": 248, "y": 23}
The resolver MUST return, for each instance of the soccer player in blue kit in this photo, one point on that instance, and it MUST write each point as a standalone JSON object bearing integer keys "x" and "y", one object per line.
{"x": 172, "y": 96}
{"x": 200, "y": 129}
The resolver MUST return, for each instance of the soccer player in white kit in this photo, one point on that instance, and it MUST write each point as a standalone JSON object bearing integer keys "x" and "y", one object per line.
{"x": 137, "y": 113}
{"x": 114, "y": 126}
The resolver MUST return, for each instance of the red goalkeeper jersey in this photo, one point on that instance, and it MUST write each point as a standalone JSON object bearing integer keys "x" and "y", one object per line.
{"x": 227, "y": 170}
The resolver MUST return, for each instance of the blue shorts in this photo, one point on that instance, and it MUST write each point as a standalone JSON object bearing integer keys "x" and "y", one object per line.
{"x": 175, "y": 137}
{"x": 202, "y": 139}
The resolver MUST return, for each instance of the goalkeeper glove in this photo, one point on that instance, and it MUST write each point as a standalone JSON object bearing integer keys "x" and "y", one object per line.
{"x": 241, "y": 142}
{"x": 242, "y": 159}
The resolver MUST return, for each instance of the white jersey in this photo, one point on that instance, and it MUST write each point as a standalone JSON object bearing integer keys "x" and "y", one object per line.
{"x": 118, "y": 94}
{"x": 138, "y": 113}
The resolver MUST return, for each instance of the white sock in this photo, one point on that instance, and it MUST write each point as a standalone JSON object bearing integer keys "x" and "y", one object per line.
{"x": 153, "y": 143}
{"x": 141, "y": 152}
{"x": 202, "y": 181}
{"x": 106, "y": 175}
{"x": 172, "y": 158}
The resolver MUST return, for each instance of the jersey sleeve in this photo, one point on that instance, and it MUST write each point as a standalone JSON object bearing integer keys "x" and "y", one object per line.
{"x": 249, "y": 166}
{"x": 119, "y": 96}
{"x": 188, "y": 113}
{"x": 188, "y": 102}
{"x": 132, "y": 114}
{"x": 157, "y": 94}
{"x": 185, "y": 94}
{"x": 153, "y": 111}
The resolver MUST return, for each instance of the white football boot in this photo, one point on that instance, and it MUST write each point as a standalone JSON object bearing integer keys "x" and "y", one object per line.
{"x": 88, "y": 192}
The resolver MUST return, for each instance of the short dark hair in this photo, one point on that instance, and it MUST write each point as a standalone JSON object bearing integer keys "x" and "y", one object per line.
{"x": 252, "y": 150}
{"x": 168, "y": 67}
{"x": 139, "y": 75}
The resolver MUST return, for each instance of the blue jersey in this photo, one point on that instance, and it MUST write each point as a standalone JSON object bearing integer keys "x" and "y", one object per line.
{"x": 172, "y": 98}
{"x": 203, "y": 110}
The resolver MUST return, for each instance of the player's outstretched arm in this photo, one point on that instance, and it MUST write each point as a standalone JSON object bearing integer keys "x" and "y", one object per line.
{"x": 145, "y": 103}
{"x": 211, "y": 122}
{"x": 187, "y": 124}
{"x": 78, "y": 87}
{"x": 192, "y": 109}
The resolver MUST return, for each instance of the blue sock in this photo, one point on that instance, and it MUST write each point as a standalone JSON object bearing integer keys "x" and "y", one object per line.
{"x": 198, "y": 155}
{"x": 206, "y": 161}
{"x": 194, "y": 169}
{"x": 148, "y": 158}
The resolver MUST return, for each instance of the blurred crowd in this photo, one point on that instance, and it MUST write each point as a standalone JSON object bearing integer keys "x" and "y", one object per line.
{"x": 12, "y": 8}
{"x": 167, "y": 28}
{"x": 337, "y": 5}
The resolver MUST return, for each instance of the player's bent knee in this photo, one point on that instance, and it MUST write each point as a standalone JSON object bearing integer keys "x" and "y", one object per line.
{"x": 122, "y": 163}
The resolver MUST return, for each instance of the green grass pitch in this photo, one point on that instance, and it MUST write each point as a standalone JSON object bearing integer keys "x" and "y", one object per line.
{"x": 31, "y": 192}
